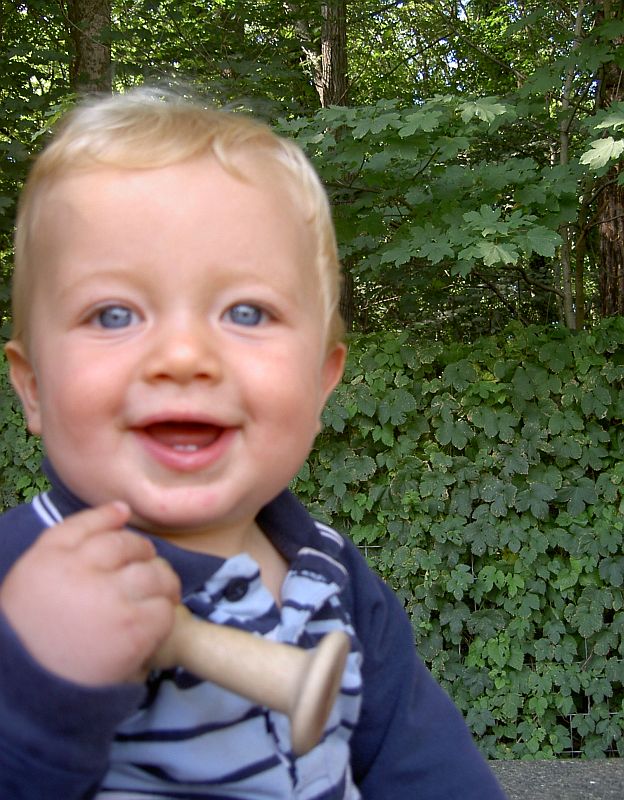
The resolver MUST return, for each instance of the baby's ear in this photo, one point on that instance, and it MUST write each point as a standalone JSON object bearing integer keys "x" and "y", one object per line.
{"x": 24, "y": 382}
{"x": 333, "y": 368}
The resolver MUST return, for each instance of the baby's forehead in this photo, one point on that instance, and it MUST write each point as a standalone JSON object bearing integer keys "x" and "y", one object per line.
{"x": 200, "y": 190}
{"x": 266, "y": 176}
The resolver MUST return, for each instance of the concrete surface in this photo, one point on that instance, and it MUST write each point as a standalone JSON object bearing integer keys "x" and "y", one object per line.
{"x": 571, "y": 779}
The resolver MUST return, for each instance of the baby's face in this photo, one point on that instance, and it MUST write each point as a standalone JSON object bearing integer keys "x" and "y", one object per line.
{"x": 177, "y": 355}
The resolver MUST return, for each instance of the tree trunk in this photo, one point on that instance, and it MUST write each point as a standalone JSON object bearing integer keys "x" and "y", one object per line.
{"x": 611, "y": 209}
{"x": 333, "y": 88}
{"x": 327, "y": 58}
{"x": 328, "y": 64}
{"x": 570, "y": 302}
{"x": 611, "y": 230}
{"x": 332, "y": 85}
{"x": 89, "y": 22}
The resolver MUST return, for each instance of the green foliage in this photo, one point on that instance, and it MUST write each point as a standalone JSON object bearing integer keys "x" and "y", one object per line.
{"x": 606, "y": 150}
{"x": 486, "y": 485}
{"x": 451, "y": 178}
{"x": 33, "y": 69}
{"x": 241, "y": 52}
{"x": 20, "y": 453}
{"x": 436, "y": 214}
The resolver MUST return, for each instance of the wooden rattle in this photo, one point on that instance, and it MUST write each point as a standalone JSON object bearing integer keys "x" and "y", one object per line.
{"x": 300, "y": 683}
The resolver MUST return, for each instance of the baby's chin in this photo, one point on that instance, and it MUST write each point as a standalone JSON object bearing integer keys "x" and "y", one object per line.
{"x": 201, "y": 534}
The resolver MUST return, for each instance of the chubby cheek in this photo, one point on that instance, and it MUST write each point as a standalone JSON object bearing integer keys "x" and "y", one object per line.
{"x": 74, "y": 397}
{"x": 295, "y": 410}
{"x": 284, "y": 382}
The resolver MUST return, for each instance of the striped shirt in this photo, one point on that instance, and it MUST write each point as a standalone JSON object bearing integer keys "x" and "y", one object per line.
{"x": 192, "y": 739}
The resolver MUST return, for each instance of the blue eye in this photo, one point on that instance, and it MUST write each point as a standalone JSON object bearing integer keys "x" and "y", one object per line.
{"x": 246, "y": 314}
{"x": 115, "y": 317}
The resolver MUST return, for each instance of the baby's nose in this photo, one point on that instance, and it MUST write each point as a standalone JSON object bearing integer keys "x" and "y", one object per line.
{"x": 183, "y": 353}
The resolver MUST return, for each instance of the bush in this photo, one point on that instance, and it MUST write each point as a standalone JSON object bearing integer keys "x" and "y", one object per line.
{"x": 485, "y": 484}
{"x": 20, "y": 453}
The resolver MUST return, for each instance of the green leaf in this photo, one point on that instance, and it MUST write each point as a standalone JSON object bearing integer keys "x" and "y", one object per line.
{"x": 396, "y": 405}
{"x": 486, "y": 623}
{"x": 596, "y": 400}
{"x": 612, "y": 570}
{"x": 497, "y": 650}
{"x": 542, "y": 241}
{"x": 579, "y": 496}
{"x": 436, "y": 250}
{"x": 365, "y": 400}
{"x": 499, "y": 494}
{"x": 459, "y": 375}
{"x": 455, "y": 432}
{"x": 486, "y": 219}
{"x": 492, "y": 253}
{"x": 529, "y": 603}
{"x": 614, "y": 120}
{"x": 459, "y": 581}
{"x": 360, "y": 467}
{"x": 400, "y": 253}
{"x": 556, "y": 355}
{"x": 455, "y": 616}
{"x": 485, "y": 418}
{"x": 485, "y": 108}
{"x": 536, "y": 498}
{"x": 425, "y": 120}
{"x": 506, "y": 425}
{"x": 335, "y": 416}
{"x": 516, "y": 462}
{"x": 588, "y": 618}
{"x": 495, "y": 423}
{"x": 602, "y": 151}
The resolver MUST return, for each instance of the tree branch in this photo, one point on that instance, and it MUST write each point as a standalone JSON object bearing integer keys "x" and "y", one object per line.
{"x": 494, "y": 288}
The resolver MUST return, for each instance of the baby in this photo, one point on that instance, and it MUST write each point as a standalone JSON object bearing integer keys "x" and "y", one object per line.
{"x": 176, "y": 336}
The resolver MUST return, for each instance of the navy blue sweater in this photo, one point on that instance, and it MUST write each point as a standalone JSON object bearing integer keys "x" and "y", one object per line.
{"x": 409, "y": 743}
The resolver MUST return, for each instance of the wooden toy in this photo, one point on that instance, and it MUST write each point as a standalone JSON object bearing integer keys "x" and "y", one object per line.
{"x": 300, "y": 683}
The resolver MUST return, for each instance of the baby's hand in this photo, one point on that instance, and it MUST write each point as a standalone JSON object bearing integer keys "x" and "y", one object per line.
{"x": 90, "y": 600}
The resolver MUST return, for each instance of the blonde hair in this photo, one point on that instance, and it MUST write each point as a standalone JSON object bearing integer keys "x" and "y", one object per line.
{"x": 146, "y": 129}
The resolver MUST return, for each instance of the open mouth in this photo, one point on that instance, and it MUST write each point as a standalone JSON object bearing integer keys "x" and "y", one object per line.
{"x": 183, "y": 437}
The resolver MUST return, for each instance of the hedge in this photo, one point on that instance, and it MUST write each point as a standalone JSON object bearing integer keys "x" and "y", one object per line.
{"x": 20, "y": 453}
{"x": 485, "y": 483}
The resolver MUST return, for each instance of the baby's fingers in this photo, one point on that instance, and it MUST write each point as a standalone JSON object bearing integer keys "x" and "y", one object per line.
{"x": 111, "y": 550}
{"x": 152, "y": 591}
{"x": 144, "y": 580}
{"x": 79, "y": 527}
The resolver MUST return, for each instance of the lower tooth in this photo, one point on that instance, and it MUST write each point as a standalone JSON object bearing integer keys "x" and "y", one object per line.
{"x": 186, "y": 448}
